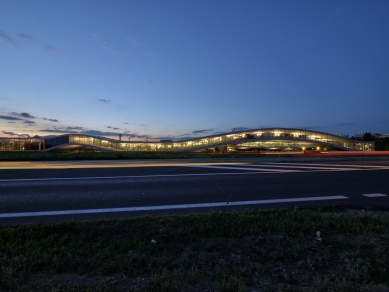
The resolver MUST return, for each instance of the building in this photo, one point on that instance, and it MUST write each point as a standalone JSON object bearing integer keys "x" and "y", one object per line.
{"x": 269, "y": 139}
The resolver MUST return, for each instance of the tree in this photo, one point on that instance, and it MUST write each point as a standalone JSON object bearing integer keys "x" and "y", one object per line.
{"x": 367, "y": 137}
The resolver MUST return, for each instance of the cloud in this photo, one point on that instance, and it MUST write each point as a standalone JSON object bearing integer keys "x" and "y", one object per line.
{"x": 237, "y": 129}
{"x": 26, "y": 37}
{"x": 23, "y": 115}
{"x": 103, "y": 100}
{"x": 59, "y": 131}
{"x": 7, "y": 38}
{"x": 29, "y": 41}
{"x": 67, "y": 130}
{"x": 201, "y": 131}
{"x": 346, "y": 124}
{"x": 125, "y": 123}
{"x": 150, "y": 53}
{"x": 334, "y": 15}
{"x": 109, "y": 127}
{"x": 50, "y": 50}
{"x": 136, "y": 42}
{"x": 29, "y": 122}
{"x": 99, "y": 133}
{"x": 10, "y": 118}
{"x": 311, "y": 127}
{"x": 15, "y": 134}
{"x": 105, "y": 46}
{"x": 51, "y": 120}
{"x": 8, "y": 133}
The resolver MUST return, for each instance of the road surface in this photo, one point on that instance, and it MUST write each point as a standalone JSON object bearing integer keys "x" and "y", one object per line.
{"x": 32, "y": 192}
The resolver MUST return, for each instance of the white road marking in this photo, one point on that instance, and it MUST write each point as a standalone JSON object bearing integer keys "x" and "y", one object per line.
{"x": 374, "y": 195}
{"x": 284, "y": 167}
{"x": 243, "y": 168}
{"x": 326, "y": 164}
{"x": 168, "y": 207}
{"x": 127, "y": 176}
{"x": 100, "y": 164}
{"x": 298, "y": 166}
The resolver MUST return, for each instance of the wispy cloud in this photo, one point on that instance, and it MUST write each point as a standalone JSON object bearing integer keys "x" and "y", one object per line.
{"x": 50, "y": 120}
{"x": 8, "y": 133}
{"x": 25, "y": 41}
{"x": 237, "y": 129}
{"x": 6, "y": 38}
{"x": 202, "y": 131}
{"x": 102, "y": 43}
{"x": 59, "y": 131}
{"x": 75, "y": 128}
{"x": 334, "y": 15}
{"x": 136, "y": 42}
{"x": 50, "y": 50}
{"x": 311, "y": 127}
{"x": 99, "y": 133}
{"x": 15, "y": 134}
{"x": 104, "y": 100}
{"x": 23, "y": 115}
{"x": 26, "y": 37}
{"x": 29, "y": 122}
{"x": 346, "y": 124}
{"x": 10, "y": 118}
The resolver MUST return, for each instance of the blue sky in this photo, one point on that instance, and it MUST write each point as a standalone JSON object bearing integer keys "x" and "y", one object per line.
{"x": 177, "y": 69}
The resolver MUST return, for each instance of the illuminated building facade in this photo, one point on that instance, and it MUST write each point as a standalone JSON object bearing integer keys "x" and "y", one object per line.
{"x": 269, "y": 139}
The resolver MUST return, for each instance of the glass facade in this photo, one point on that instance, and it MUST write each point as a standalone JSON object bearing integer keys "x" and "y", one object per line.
{"x": 22, "y": 144}
{"x": 261, "y": 138}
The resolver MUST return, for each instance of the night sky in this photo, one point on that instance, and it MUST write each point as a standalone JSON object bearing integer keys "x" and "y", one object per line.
{"x": 180, "y": 69}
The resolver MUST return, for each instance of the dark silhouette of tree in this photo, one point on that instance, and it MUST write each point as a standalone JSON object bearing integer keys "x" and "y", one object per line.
{"x": 367, "y": 137}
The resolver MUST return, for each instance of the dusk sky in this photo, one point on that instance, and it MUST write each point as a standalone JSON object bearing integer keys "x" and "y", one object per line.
{"x": 179, "y": 69}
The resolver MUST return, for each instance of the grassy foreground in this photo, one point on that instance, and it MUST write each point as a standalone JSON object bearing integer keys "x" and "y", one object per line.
{"x": 272, "y": 250}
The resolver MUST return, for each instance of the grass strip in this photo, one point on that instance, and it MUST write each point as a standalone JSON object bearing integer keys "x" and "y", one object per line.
{"x": 219, "y": 251}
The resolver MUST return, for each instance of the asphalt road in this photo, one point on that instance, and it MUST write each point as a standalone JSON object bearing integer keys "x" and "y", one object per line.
{"x": 33, "y": 192}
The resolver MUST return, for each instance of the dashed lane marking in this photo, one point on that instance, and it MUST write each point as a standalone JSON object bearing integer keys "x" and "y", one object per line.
{"x": 168, "y": 207}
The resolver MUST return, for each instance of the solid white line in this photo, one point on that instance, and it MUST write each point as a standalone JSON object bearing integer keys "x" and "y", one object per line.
{"x": 298, "y": 166}
{"x": 243, "y": 168}
{"x": 325, "y": 164}
{"x": 374, "y": 195}
{"x": 128, "y": 176}
{"x": 167, "y": 207}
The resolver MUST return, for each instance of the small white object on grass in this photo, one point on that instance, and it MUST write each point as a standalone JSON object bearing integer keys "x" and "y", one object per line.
{"x": 318, "y": 236}
{"x": 153, "y": 241}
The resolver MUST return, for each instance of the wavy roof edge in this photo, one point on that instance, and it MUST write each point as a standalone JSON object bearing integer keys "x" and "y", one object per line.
{"x": 201, "y": 137}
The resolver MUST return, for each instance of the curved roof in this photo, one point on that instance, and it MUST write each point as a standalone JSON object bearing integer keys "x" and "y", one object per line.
{"x": 284, "y": 136}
